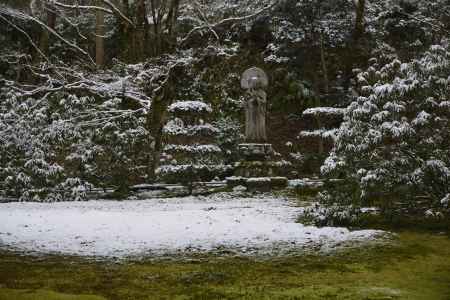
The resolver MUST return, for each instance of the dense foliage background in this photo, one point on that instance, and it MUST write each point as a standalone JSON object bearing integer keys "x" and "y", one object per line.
{"x": 85, "y": 88}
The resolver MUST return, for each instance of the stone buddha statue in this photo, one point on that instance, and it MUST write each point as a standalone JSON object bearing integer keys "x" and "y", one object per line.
{"x": 254, "y": 80}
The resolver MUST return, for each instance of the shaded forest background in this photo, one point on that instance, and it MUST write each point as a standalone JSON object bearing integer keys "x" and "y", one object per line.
{"x": 85, "y": 85}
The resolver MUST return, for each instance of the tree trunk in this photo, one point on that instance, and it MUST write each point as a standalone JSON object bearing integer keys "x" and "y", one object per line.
{"x": 172, "y": 19}
{"x": 164, "y": 19}
{"x": 360, "y": 16}
{"x": 157, "y": 118}
{"x": 126, "y": 34}
{"x": 355, "y": 53}
{"x": 99, "y": 37}
{"x": 156, "y": 26}
{"x": 141, "y": 29}
{"x": 323, "y": 61}
{"x": 155, "y": 122}
{"x": 44, "y": 40}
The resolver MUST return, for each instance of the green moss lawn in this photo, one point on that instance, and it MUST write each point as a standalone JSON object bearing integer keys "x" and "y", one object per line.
{"x": 415, "y": 266}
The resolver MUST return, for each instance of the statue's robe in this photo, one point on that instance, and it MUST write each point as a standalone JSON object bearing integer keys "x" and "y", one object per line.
{"x": 255, "y": 116}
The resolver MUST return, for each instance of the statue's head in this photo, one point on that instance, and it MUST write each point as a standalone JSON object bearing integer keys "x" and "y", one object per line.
{"x": 254, "y": 78}
{"x": 255, "y": 83}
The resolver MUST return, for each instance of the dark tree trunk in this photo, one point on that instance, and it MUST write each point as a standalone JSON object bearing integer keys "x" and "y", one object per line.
{"x": 99, "y": 40}
{"x": 164, "y": 30}
{"x": 172, "y": 20}
{"x": 326, "y": 83}
{"x": 356, "y": 49}
{"x": 126, "y": 34}
{"x": 157, "y": 117}
{"x": 155, "y": 123}
{"x": 360, "y": 22}
{"x": 141, "y": 30}
{"x": 44, "y": 40}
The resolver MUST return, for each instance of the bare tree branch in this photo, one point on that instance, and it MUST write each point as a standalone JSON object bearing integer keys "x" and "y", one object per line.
{"x": 113, "y": 9}
{"x": 205, "y": 19}
{"x": 27, "y": 36}
{"x": 22, "y": 16}
{"x": 83, "y": 7}
{"x": 118, "y": 12}
{"x": 226, "y": 21}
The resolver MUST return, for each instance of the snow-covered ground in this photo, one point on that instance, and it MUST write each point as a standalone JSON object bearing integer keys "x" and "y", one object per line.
{"x": 152, "y": 227}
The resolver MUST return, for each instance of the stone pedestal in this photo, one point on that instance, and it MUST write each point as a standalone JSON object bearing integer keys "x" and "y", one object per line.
{"x": 255, "y": 152}
{"x": 257, "y": 169}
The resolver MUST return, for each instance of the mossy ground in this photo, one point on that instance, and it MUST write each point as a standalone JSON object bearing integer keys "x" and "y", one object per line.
{"x": 416, "y": 266}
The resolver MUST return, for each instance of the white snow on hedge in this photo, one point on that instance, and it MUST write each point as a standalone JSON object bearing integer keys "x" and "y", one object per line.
{"x": 198, "y": 149}
{"x": 173, "y": 169}
{"x": 328, "y": 111}
{"x": 319, "y": 133}
{"x": 178, "y": 128}
{"x": 190, "y": 106}
{"x": 259, "y": 179}
{"x": 134, "y": 228}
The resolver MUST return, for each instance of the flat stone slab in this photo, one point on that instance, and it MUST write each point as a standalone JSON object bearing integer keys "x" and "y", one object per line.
{"x": 262, "y": 184}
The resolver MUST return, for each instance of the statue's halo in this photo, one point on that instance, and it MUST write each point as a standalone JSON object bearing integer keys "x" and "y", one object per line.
{"x": 254, "y": 76}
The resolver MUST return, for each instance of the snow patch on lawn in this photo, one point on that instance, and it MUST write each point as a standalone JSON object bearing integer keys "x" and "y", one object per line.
{"x": 152, "y": 227}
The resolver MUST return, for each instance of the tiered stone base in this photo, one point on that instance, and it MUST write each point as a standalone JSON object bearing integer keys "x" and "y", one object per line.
{"x": 257, "y": 171}
{"x": 255, "y": 152}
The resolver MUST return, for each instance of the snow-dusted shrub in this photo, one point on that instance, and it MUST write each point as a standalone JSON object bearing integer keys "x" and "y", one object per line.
{"x": 58, "y": 146}
{"x": 316, "y": 139}
{"x": 326, "y": 119}
{"x": 394, "y": 143}
{"x": 114, "y": 148}
{"x": 181, "y": 107}
{"x": 189, "y": 173}
{"x": 332, "y": 215}
{"x": 35, "y": 138}
{"x": 228, "y": 137}
{"x": 191, "y": 153}
{"x": 324, "y": 111}
{"x": 176, "y": 128}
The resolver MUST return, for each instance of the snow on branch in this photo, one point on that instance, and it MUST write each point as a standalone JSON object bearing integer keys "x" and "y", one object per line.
{"x": 190, "y": 106}
{"x": 175, "y": 129}
{"x": 194, "y": 149}
{"x": 205, "y": 19}
{"x": 319, "y": 133}
{"x": 113, "y": 9}
{"x": 170, "y": 169}
{"x": 324, "y": 111}
{"x": 82, "y": 7}
{"x": 118, "y": 12}
{"x": 95, "y": 85}
{"x": 214, "y": 27}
